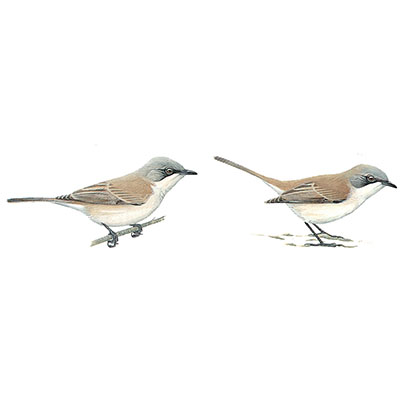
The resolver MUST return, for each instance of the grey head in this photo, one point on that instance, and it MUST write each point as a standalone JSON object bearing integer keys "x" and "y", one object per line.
{"x": 363, "y": 175}
{"x": 159, "y": 168}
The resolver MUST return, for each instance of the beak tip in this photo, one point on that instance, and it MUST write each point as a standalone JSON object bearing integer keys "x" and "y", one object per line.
{"x": 189, "y": 172}
{"x": 390, "y": 184}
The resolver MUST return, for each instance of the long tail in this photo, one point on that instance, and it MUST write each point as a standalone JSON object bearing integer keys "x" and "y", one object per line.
{"x": 22, "y": 199}
{"x": 238, "y": 166}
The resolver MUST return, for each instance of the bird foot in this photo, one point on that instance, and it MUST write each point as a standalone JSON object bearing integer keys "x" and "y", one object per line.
{"x": 114, "y": 237}
{"x": 323, "y": 244}
{"x": 112, "y": 242}
{"x": 333, "y": 237}
{"x": 327, "y": 235}
{"x": 138, "y": 232}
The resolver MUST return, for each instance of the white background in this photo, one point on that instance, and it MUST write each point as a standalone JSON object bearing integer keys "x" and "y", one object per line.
{"x": 200, "y": 306}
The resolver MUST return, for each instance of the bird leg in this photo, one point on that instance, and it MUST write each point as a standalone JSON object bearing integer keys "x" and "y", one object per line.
{"x": 321, "y": 243}
{"x": 327, "y": 234}
{"x": 138, "y": 232}
{"x": 114, "y": 237}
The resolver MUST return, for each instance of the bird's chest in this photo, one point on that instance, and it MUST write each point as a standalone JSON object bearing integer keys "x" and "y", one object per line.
{"x": 323, "y": 213}
{"x": 120, "y": 215}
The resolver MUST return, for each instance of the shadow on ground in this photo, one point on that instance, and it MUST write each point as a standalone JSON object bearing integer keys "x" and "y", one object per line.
{"x": 310, "y": 241}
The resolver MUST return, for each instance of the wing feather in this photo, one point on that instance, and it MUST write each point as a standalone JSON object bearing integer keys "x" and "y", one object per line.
{"x": 130, "y": 189}
{"x": 312, "y": 193}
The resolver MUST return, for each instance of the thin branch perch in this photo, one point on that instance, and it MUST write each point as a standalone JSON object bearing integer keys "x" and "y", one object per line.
{"x": 126, "y": 231}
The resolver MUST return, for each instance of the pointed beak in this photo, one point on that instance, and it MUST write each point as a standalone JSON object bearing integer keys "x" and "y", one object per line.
{"x": 390, "y": 184}
{"x": 187, "y": 172}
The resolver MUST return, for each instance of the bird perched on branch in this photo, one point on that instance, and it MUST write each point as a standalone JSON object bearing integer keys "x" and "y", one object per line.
{"x": 324, "y": 198}
{"x": 126, "y": 200}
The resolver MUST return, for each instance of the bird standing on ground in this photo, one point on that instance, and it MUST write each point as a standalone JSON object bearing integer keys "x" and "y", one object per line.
{"x": 324, "y": 198}
{"x": 126, "y": 200}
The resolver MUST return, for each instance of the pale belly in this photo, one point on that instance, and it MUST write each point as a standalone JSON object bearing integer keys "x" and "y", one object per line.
{"x": 118, "y": 215}
{"x": 323, "y": 213}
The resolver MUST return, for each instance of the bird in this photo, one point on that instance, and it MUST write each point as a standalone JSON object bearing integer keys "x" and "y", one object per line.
{"x": 324, "y": 198}
{"x": 126, "y": 200}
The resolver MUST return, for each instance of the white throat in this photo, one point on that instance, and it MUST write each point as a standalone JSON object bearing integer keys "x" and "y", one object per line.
{"x": 365, "y": 192}
{"x": 168, "y": 183}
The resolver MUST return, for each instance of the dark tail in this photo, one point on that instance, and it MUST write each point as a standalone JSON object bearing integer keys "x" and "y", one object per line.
{"x": 22, "y": 199}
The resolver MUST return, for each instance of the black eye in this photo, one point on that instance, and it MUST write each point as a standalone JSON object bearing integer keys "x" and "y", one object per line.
{"x": 169, "y": 171}
{"x": 371, "y": 178}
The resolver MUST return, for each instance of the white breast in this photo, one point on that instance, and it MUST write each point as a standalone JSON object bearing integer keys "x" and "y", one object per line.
{"x": 323, "y": 213}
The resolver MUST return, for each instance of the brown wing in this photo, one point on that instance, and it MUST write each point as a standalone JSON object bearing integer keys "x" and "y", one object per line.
{"x": 313, "y": 193}
{"x": 129, "y": 189}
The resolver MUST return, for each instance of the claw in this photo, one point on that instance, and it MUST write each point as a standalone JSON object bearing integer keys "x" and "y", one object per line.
{"x": 114, "y": 237}
{"x": 112, "y": 243}
{"x": 138, "y": 232}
